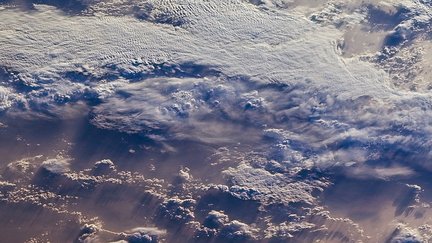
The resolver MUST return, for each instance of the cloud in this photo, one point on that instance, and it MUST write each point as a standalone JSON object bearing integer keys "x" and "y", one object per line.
{"x": 7, "y": 98}
{"x": 258, "y": 184}
{"x": 217, "y": 224}
{"x": 56, "y": 166}
{"x": 6, "y": 186}
{"x": 287, "y": 229}
{"x": 262, "y": 77}
{"x": 103, "y": 167}
{"x": 332, "y": 110}
{"x": 367, "y": 172}
{"x": 404, "y": 234}
{"x": 46, "y": 65}
{"x": 178, "y": 210}
{"x": 237, "y": 231}
{"x": 95, "y": 233}
{"x": 87, "y": 232}
{"x": 144, "y": 235}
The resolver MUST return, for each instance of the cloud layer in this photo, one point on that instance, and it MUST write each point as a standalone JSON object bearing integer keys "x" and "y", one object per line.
{"x": 288, "y": 95}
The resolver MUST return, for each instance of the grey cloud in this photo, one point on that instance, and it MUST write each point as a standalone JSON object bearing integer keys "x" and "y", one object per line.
{"x": 87, "y": 232}
{"x": 217, "y": 224}
{"x": 404, "y": 234}
{"x": 178, "y": 210}
{"x": 237, "y": 231}
{"x": 215, "y": 220}
{"x": 144, "y": 235}
{"x": 258, "y": 184}
{"x": 103, "y": 167}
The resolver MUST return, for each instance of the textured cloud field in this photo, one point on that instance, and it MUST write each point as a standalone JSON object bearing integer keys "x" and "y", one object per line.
{"x": 225, "y": 121}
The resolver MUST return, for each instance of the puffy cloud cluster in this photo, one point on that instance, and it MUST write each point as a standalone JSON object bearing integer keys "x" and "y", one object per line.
{"x": 287, "y": 229}
{"x": 7, "y": 98}
{"x": 258, "y": 184}
{"x": 87, "y": 232}
{"x": 95, "y": 233}
{"x": 404, "y": 234}
{"x": 144, "y": 235}
{"x": 103, "y": 167}
{"x": 178, "y": 210}
{"x": 56, "y": 166}
{"x": 217, "y": 224}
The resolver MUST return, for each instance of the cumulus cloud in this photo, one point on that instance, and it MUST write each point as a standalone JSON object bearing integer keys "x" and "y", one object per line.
{"x": 258, "y": 184}
{"x": 404, "y": 234}
{"x": 217, "y": 224}
{"x": 95, "y": 233}
{"x": 144, "y": 235}
{"x": 178, "y": 210}
{"x": 237, "y": 231}
{"x": 287, "y": 229}
{"x": 215, "y": 219}
{"x": 87, "y": 232}
{"x": 7, "y": 98}
{"x": 102, "y": 167}
{"x": 56, "y": 166}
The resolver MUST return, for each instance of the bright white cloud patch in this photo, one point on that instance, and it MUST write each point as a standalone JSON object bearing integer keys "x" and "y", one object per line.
{"x": 56, "y": 166}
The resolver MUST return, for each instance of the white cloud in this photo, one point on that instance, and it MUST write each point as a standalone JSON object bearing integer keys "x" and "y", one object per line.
{"x": 178, "y": 210}
{"x": 102, "y": 167}
{"x": 258, "y": 184}
{"x": 261, "y": 68}
{"x": 404, "y": 234}
{"x": 58, "y": 165}
{"x": 217, "y": 224}
{"x": 264, "y": 78}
